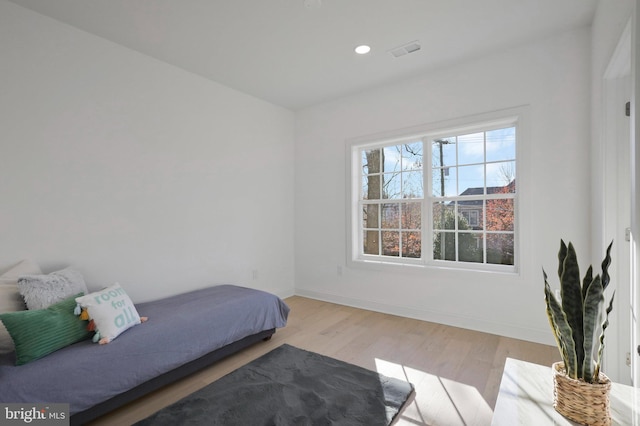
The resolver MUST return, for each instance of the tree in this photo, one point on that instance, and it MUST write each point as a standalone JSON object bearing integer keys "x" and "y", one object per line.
{"x": 382, "y": 220}
{"x": 500, "y": 213}
{"x": 500, "y": 216}
{"x": 444, "y": 244}
{"x": 375, "y": 158}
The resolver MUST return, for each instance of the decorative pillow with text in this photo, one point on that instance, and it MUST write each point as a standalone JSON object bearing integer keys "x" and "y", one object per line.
{"x": 111, "y": 311}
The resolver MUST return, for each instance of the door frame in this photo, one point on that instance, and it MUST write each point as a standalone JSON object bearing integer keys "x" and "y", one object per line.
{"x": 635, "y": 199}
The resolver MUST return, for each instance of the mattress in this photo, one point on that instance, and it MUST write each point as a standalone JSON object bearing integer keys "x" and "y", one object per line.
{"x": 180, "y": 329}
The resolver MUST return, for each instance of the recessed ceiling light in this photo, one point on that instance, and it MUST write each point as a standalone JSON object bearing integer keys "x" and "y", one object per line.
{"x": 362, "y": 49}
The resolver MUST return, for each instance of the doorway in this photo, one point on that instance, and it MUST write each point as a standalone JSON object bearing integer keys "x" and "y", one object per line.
{"x": 617, "y": 200}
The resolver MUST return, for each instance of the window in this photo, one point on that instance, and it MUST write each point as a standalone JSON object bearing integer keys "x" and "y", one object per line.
{"x": 440, "y": 197}
{"x": 471, "y": 216}
{"x": 473, "y": 189}
{"x": 392, "y": 200}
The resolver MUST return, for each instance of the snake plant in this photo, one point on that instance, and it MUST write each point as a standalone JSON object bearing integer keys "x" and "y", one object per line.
{"x": 579, "y": 320}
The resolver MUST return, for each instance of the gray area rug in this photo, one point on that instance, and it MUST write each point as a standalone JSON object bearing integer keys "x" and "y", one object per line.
{"x": 290, "y": 386}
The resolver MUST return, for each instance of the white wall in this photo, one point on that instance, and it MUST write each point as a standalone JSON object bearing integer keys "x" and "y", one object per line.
{"x": 552, "y": 77}
{"x": 135, "y": 171}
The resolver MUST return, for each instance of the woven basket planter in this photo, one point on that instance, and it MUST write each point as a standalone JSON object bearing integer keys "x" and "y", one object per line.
{"x": 582, "y": 402}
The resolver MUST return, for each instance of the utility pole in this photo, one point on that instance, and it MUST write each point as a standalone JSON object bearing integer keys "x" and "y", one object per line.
{"x": 440, "y": 143}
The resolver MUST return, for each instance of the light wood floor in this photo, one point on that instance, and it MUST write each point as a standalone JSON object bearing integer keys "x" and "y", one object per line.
{"x": 456, "y": 372}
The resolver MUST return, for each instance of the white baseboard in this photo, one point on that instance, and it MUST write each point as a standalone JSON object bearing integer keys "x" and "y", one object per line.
{"x": 507, "y": 330}
{"x": 283, "y": 294}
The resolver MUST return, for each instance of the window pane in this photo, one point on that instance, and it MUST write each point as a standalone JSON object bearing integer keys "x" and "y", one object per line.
{"x": 444, "y": 182}
{"x": 501, "y": 144}
{"x": 391, "y": 156}
{"x": 443, "y": 152}
{"x": 500, "y": 215}
{"x": 444, "y": 245}
{"x": 501, "y": 177}
{"x": 371, "y": 187}
{"x": 370, "y": 216}
{"x": 500, "y": 249}
{"x": 390, "y": 243}
{"x": 412, "y": 185}
{"x": 392, "y": 186}
{"x": 471, "y": 180}
{"x": 370, "y": 243}
{"x": 470, "y": 214}
{"x": 390, "y": 216}
{"x": 471, "y": 148}
{"x": 443, "y": 215}
{"x": 411, "y": 216}
{"x": 411, "y": 244}
{"x": 412, "y": 156}
{"x": 470, "y": 247}
{"x": 371, "y": 161}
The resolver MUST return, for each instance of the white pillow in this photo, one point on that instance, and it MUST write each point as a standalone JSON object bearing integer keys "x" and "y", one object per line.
{"x": 42, "y": 291}
{"x": 112, "y": 312}
{"x": 10, "y": 298}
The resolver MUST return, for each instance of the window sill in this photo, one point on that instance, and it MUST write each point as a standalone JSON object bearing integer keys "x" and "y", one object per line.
{"x": 421, "y": 266}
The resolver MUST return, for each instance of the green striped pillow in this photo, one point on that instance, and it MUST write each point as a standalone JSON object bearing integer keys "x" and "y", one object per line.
{"x": 37, "y": 333}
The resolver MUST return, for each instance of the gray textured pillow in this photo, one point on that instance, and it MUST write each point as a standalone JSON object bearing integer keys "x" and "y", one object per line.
{"x": 10, "y": 298}
{"x": 42, "y": 291}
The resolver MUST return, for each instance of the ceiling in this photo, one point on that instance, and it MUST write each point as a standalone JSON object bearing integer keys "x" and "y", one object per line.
{"x": 296, "y": 53}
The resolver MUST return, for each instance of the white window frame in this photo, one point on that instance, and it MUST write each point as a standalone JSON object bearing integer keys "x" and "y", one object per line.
{"x": 516, "y": 117}
{"x": 360, "y": 202}
{"x": 429, "y": 199}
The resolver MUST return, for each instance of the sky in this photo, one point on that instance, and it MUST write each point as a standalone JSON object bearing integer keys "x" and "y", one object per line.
{"x": 461, "y": 164}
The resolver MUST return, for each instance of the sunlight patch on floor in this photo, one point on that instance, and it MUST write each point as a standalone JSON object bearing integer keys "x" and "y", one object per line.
{"x": 438, "y": 400}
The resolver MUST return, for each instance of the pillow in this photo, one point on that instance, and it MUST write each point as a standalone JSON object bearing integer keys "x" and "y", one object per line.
{"x": 42, "y": 291}
{"x": 10, "y": 298}
{"x": 111, "y": 311}
{"x": 37, "y": 333}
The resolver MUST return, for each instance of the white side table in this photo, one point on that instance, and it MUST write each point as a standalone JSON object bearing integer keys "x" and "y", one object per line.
{"x": 526, "y": 398}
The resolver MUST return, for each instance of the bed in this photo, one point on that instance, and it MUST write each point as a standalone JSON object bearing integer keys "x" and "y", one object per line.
{"x": 183, "y": 334}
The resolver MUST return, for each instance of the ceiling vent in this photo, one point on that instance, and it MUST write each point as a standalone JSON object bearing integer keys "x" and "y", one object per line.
{"x": 410, "y": 47}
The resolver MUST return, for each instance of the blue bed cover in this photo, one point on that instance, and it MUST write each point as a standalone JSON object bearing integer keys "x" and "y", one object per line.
{"x": 180, "y": 329}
